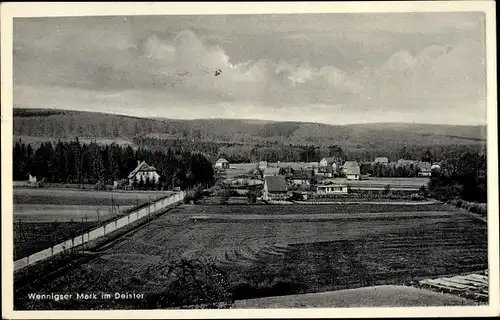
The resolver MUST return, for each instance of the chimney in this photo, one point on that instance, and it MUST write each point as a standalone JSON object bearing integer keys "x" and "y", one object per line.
{"x": 138, "y": 162}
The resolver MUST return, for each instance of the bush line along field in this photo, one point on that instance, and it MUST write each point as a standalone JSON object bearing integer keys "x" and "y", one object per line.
{"x": 276, "y": 250}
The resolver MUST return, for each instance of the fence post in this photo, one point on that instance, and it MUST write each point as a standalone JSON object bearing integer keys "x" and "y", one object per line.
{"x": 104, "y": 227}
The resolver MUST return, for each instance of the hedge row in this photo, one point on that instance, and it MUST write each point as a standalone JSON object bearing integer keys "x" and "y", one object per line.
{"x": 479, "y": 208}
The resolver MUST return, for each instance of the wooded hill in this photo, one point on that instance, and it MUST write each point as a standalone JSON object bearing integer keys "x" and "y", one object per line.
{"x": 362, "y": 140}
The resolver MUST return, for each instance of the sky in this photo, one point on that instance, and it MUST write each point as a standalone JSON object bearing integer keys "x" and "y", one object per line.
{"x": 331, "y": 68}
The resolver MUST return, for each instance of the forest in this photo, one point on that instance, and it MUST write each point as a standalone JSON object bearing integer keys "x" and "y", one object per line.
{"x": 463, "y": 177}
{"x": 76, "y": 162}
{"x": 271, "y": 152}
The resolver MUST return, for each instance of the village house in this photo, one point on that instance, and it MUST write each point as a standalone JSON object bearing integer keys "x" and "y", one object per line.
{"x": 331, "y": 189}
{"x": 274, "y": 188}
{"x": 405, "y": 163}
{"x": 352, "y": 173}
{"x": 32, "y": 179}
{"x": 269, "y": 171}
{"x": 143, "y": 172}
{"x": 222, "y": 164}
{"x": 301, "y": 178}
{"x": 324, "y": 171}
{"x": 381, "y": 160}
{"x": 312, "y": 165}
{"x": 120, "y": 184}
{"x": 425, "y": 169}
{"x": 262, "y": 165}
{"x": 290, "y": 166}
{"x": 351, "y": 170}
{"x": 435, "y": 167}
{"x": 328, "y": 162}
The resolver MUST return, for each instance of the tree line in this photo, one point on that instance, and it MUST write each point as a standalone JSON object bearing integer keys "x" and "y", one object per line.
{"x": 463, "y": 177}
{"x": 80, "y": 163}
{"x": 390, "y": 170}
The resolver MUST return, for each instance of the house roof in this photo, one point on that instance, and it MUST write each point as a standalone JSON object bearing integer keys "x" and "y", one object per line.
{"x": 351, "y": 164}
{"x": 329, "y": 160}
{"x": 325, "y": 185}
{"x": 275, "y": 183}
{"x": 328, "y": 169}
{"x": 293, "y": 165}
{"x": 313, "y": 164}
{"x": 141, "y": 167}
{"x": 424, "y": 165}
{"x": 303, "y": 175}
{"x": 222, "y": 160}
{"x": 352, "y": 170}
{"x": 405, "y": 162}
{"x": 381, "y": 160}
{"x": 271, "y": 170}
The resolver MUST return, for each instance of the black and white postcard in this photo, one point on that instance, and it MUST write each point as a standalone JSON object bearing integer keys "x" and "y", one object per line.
{"x": 191, "y": 160}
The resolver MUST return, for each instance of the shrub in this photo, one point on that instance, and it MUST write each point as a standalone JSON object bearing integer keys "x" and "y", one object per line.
{"x": 416, "y": 197}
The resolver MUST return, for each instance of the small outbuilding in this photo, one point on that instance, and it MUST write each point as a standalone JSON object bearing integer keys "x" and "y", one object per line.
{"x": 222, "y": 164}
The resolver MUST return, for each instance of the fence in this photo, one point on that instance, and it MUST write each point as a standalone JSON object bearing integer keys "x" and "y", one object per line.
{"x": 98, "y": 232}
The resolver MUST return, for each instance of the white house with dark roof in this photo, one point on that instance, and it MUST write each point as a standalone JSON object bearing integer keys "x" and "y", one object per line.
{"x": 405, "y": 163}
{"x": 262, "y": 165}
{"x": 328, "y": 188}
{"x": 222, "y": 164}
{"x": 351, "y": 170}
{"x": 381, "y": 160}
{"x": 327, "y": 161}
{"x": 301, "y": 177}
{"x": 270, "y": 171}
{"x": 274, "y": 188}
{"x": 143, "y": 172}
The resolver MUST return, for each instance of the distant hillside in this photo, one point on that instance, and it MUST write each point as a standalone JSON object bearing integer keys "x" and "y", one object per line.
{"x": 67, "y": 124}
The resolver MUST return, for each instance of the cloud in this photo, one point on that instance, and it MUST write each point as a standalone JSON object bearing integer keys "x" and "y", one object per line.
{"x": 336, "y": 73}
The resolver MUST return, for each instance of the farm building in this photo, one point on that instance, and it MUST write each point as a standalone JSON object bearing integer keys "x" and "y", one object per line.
{"x": 222, "y": 164}
{"x": 120, "y": 184}
{"x": 328, "y": 162}
{"x": 331, "y": 189}
{"x": 405, "y": 163}
{"x": 290, "y": 167}
{"x": 435, "y": 167}
{"x": 352, "y": 173}
{"x": 32, "y": 179}
{"x": 351, "y": 170}
{"x": 311, "y": 165}
{"x": 301, "y": 178}
{"x": 425, "y": 169}
{"x": 324, "y": 171}
{"x": 381, "y": 160}
{"x": 143, "y": 171}
{"x": 262, "y": 165}
{"x": 274, "y": 188}
{"x": 270, "y": 172}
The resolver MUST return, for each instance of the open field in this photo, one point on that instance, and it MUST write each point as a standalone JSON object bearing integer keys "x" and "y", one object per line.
{"x": 65, "y": 213}
{"x": 313, "y": 248}
{"x": 394, "y": 183}
{"x": 33, "y": 237}
{"x": 80, "y": 197}
{"x": 377, "y": 296}
{"x": 45, "y": 217}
